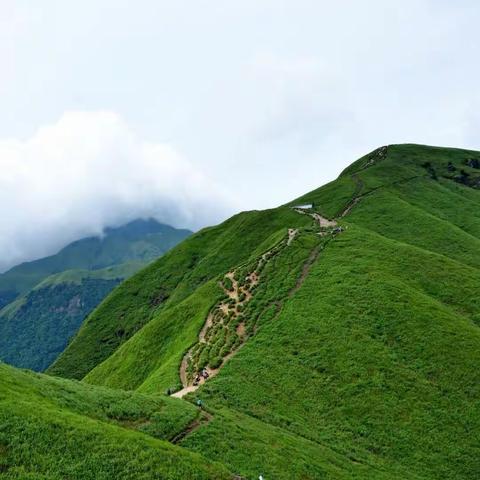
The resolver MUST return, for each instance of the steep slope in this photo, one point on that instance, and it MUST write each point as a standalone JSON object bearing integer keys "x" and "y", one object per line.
{"x": 36, "y": 325}
{"x": 168, "y": 282}
{"x": 35, "y": 328}
{"x": 341, "y": 339}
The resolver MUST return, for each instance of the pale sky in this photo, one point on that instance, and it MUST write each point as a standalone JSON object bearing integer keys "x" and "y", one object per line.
{"x": 190, "y": 111}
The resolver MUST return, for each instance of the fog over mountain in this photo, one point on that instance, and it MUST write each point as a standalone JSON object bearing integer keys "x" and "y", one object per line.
{"x": 88, "y": 171}
{"x": 189, "y": 111}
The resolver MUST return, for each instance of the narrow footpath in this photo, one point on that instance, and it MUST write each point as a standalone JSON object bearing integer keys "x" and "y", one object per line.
{"x": 237, "y": 296}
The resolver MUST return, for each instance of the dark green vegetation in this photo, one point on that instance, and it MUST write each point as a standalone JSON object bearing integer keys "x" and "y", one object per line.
{"x": 37, "y": 332}
{"x": 359, "y": 352}
{"x": 51, "y": 297}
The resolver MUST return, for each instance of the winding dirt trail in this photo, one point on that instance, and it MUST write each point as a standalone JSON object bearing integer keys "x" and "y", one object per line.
{"x": 292, "y": 233}
{"x": 305, "y": 270}
{"x": 238, "y": 295}
{"x": 357, "y": 196}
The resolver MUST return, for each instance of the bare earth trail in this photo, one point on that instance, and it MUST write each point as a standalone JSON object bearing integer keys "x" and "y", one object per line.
{"x": 305, "y": 270}
{"x": 292, "y": 233}
{"x": 203, "y": 419}
{"x": 357, "y": 196}
{"x": 238, "y": 295}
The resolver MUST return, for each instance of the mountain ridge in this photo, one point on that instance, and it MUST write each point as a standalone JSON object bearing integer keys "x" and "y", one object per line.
{"x": 344, "y": 335}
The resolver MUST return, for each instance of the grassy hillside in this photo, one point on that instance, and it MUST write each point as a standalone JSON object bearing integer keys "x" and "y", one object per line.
{"x": 166, "y": 283}
{"x": 341, "y": 341}
{"x": 37, "y": 324}
{"x": 52, "y": 429}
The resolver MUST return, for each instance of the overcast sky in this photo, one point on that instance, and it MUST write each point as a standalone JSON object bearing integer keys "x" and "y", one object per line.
{"x": 192, "y": 110}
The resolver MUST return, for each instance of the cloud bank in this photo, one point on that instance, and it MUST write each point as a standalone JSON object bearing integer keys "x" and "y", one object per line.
{"x": 271, "y": 98}
{"x": 88, "y": 171}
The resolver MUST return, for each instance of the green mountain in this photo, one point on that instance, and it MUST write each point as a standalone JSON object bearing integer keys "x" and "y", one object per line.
{"x": 340, "y": 335}
{"x": 50, "y": 297}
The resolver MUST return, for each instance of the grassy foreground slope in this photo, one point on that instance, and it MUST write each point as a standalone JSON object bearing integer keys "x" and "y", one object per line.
{"x": 359, "y": 349}
{"x": 56, "y": 429}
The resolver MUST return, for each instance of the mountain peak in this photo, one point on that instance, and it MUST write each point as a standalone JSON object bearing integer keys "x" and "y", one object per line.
{"x": 140, "y": 226}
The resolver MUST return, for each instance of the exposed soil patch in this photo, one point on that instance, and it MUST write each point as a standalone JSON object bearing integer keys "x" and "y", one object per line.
{"x": 194, "y": 372}
{"x": 241, "y": 330}
{"x": 323, "y": 222}
{"x": 292, "y": 233}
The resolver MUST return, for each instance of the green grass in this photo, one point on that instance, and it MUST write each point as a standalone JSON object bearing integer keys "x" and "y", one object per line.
{"x": 244, "y": 443}
{"x": 363, "y": 349}
{"x": 330, "y": 199}
{"x": 157, "y": 369}
{"x": 167, "y": 282}
{"x": 122, "y": 270}
{"x": 57, "y": 429}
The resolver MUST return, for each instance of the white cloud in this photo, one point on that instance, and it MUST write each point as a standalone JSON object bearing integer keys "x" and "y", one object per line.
{"x": 88, "y": 171}
{"x": 272, "y": 97}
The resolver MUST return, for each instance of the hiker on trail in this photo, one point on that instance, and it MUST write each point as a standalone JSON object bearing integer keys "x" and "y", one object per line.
{"x": 199, "y": 403}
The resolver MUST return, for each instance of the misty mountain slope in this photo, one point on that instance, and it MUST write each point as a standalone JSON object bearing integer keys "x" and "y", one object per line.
{"x": 341, "y": 340}
{"x": 140, "y": 240}
{"x": 35, "y": 327}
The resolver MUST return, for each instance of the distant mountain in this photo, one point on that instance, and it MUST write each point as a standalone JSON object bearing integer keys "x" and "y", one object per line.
{"x": 45, "y": 301}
